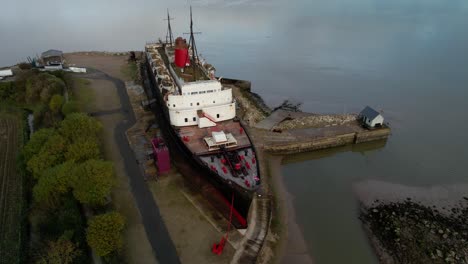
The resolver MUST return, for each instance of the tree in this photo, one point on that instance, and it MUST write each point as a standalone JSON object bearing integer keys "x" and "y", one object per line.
{"x": 83, "y": 149}
{"x": 104, "y": 233}
{"x": 51, "y": 85}
{"x": 70, "y": 107}
{"x": 7, "y": 90}
{"x": 55, "y": 103}
{"x": 78, "y": 125}
{"x": 93, "y": 182}
{"x": 36, "y": 142}
{"x": 62, "y": 251}
{"x": 54, "y": 182}
{"x": 51, "y": 154}
{"x": 42, "y": 86}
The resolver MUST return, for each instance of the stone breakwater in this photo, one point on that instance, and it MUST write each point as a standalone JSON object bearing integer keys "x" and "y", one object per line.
{"x": 414, "y": 233}
{"x": 414, "y": 224}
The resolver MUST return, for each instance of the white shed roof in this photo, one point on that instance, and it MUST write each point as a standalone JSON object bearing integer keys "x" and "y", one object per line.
{"x": 369, "y": 113}
{"x": 219, "y": 136}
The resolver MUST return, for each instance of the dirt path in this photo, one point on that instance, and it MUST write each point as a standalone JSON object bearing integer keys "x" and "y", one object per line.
{"x": 146, "y": 237}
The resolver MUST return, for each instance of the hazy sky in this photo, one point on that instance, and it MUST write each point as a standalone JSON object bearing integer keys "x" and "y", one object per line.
{"x": 29, "y": 27}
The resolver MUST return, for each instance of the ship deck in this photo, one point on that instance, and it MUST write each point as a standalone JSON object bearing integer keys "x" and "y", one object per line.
{"x": 191, "y": 73}
{"x": 195, "y": 136}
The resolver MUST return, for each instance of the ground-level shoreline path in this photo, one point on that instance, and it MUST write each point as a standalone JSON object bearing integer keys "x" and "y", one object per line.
{"x": 158, "y": 235}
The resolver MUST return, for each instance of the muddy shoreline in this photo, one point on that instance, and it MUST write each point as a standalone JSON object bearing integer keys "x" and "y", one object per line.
{"x": 292, "y": 246}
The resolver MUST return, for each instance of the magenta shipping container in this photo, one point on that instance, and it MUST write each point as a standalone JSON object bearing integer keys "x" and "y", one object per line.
{"x": 161, "y": 155}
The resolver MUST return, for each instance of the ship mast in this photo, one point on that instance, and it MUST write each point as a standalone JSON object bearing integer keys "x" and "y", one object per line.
{"x": 193, "y": 46}
{"x": 169, "y": 36}
{"x": 192, "y": 39}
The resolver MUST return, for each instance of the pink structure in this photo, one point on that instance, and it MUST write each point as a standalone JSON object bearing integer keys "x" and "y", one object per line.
{"x": 161, "y": 155}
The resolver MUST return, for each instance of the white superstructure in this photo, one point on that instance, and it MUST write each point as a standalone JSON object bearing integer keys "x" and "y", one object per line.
{"x": 203, "y": 101}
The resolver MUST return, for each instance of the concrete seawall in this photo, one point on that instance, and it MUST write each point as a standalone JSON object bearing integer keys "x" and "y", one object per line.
{"x": 311, "y": 144}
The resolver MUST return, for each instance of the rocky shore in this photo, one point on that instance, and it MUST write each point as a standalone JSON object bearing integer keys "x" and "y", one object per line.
{"x": 415, "y": 224}
{"x": 316, "y": 121}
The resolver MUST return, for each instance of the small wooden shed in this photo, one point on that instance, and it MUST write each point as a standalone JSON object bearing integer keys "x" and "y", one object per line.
{"x": 371, "y": 118}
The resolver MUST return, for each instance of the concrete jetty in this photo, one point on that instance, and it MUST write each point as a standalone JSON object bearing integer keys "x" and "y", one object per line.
{"x": 302, "y": 139}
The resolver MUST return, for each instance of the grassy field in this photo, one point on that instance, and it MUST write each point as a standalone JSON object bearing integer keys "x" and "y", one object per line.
{"x": 130, "y": 71}
{"x": 83, "y": 93}
{"x": 11, "y": 189}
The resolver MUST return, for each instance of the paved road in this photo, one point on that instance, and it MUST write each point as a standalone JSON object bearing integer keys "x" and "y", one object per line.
{"x": 156, "y": 230}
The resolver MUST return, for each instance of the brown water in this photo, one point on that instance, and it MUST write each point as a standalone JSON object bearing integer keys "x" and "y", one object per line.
{"x": 408, "y": 58}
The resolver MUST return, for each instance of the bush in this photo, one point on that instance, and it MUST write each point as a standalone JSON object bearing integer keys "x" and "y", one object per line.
{"x": 7, "y": 90}
{"x": 70, "y": 107}
{"x": 65, "y": 220}
{"x": 42, "y": 86}
{"x": 38, "y": 139}
{"x": 61, "y": 251}
{"x": 24, "y": 66}
{"x": 55, "y": 103}
{"x": 104, "y": 233}
{"x": 93, "y": 182}
{"x": 53, "y": 183}
{"x": 51, "y": 154}
{"x": 78, "y": 126}
{"x": 83, "y": 149}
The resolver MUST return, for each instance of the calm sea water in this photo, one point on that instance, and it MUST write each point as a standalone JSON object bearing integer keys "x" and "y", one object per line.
{"x": 408, "y": 58}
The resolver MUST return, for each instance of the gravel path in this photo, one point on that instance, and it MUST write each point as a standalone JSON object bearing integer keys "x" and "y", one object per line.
{"x": 156, "y": 230}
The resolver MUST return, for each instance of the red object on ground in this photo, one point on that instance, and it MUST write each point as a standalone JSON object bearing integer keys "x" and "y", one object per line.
{"x": 161, "y": 155}
{"x": 253, "y": 160}
{"x": 238, "y": 166}
{"x": 223, "y": 161}
{"x": 182, "y": 58}
{"x": 218, "y": 248}
{"x": 247, "y": 164}
{"x": 224, "y": 169}
{"x": 241, "y": 157}
{"x": 247, "y": 183}
{"x": 241, "y": 130}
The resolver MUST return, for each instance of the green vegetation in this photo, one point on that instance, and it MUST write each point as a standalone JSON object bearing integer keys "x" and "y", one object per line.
{"x": 55, "y": 104}
{"x": 61, "y": 251}
{"x": 93, "y": 182}
{"x": 130, "y": 71}
{"x": 104, "y": 233}
{"x": 83, "y": 98}
{"x": 70, "y": 107}
{"x": 62, "y": 168}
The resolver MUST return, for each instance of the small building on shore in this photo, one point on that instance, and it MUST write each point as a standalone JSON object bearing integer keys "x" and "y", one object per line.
{"x": 371, "y": 118}
{"x": 52, "y": 59}
{"x": 5, "y": 73}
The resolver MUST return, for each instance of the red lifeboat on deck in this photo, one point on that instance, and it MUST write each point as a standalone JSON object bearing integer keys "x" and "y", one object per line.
{"x": 181, "y": 53}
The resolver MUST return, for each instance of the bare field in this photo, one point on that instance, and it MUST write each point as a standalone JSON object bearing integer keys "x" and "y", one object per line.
{"x": 192, "y": 234}
{"x": 10, "y": 189}
{"x": 110, "y": 64}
